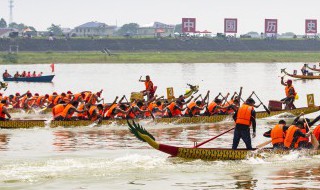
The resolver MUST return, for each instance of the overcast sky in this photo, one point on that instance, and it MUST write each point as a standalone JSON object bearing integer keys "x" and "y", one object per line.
{"x": 210, "y": 14}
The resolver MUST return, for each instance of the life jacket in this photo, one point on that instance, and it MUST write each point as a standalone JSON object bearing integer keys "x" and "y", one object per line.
{"x": 289, "y": 137}
{"x": 65, "y": 113}
{"x": 81, "y": 108}
{"x": 16, "y": 102}
{"x": 287, "y": 89}
{"x": 173, "y": 111}
{"x": 244, "y": 115}
{"x": 2, "y": 115}
{"x": 211, "y": 108}
{"x": 87, "y": 96}
{"x": 38, "y": 101}
{"x": 56, "y": 100}
{"x": 77, "y": 96}
{"x": 150, "y": 108}
{"x": 149, "y": 85}
{"x": 316, "y": 132}
{"x": 91, "y": 110}
{"x": 158, "y": 111}
{"x": 57, "y": 110}
{"x": 110, "y": 113}
{"x": 277, "y": 134}
{"x": 92, "y": 99}
{"x": 304, "y": 131}
{"x": 229, "y": 110}
{"x": 22, "y": 102}
{"x": 190, "y": 109}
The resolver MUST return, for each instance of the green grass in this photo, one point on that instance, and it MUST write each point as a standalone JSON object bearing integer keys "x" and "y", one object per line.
{"x": 163, "y": 57}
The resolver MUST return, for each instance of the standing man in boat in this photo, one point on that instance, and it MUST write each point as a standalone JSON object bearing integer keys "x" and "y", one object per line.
{"x": 150, "y": 90}
{"x": 244, "y": 117}
{"x": 304, "y": 70}
{"x": 290, "y": 95}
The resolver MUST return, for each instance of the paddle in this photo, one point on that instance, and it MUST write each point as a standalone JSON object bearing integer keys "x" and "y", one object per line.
{"x": 314, "y": 140}
{"x": 265, "y": 107}
{"x": 198, "y": 145}
{"x": 264, "y": 144}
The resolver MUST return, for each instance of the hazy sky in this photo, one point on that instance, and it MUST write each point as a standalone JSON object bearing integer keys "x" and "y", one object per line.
{"x": 291, "y": 14}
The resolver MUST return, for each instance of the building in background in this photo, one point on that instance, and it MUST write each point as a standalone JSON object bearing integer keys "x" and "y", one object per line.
{"x": 94, "y": 29}
{"x": 156, "y": 29}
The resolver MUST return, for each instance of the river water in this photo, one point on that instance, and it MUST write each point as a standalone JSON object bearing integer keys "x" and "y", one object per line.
{"x": 109, "y": 157}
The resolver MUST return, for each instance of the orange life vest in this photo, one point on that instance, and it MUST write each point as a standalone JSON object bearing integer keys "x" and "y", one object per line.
{"x": 57, "y": 110}
{"x": 91, "y": 110}
{"x": 190, "y": 109}
{"x": 277, "y": 134}
{"x": 23, "y": 101}
{"x": 211, "y": 108}
{"x": 38, "y": 101}
{"x": 303, "y": 139}
{"x": 77, "y": 97}
{"x": 287, "y": 89}
{"x": 244, "y": 115}
{"x": 158, "y": 112}
{"x": 316, "y": 132}
{"x": 150, "y": 108}
{"x": 81, "y": 108}
{"x": 173, "y": 110}
{"x": 110, "y": 113}
{"x": 65, "y": 113}
{"x": 289, "y": 136}
{"x": 56, "y": 100}
{"x": 2, "y": 115}
{"x": 92, "y": 99}
{"x": 149, "y": 85}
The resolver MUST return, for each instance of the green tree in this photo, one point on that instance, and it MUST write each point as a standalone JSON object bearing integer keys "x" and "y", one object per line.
{"x": 3, "y": 23}
{"x": 178, "y": 28}
{"x": 55, "y": 30}
{"x": 128, "y": 29}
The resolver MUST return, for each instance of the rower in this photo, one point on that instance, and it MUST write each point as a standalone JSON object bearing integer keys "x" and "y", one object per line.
{"x": 94, "y": 98}
{"x": 277, "y": 134}
{"x": 41, "y": 100}
{"x": 150, "y": 89}
{"x": 194, "y": 108}
{"x": 293, "y": 134}
{"x": 24, "y": 103}
{"x": 290, "y": 95}
{"x": 244, "y": 117}
{"x": 316, "y": 132}
{"x": 3, "y": 110}
{"x": 214, "y": 107}
{"x": 69, "y": 110}
{"x": 175, "y": 109}
{"x": 57, "y": 111}
{"x": 94, "y": 113}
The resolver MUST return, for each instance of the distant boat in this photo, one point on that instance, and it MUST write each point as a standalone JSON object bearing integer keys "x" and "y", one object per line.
{"x": 45, "y": 78}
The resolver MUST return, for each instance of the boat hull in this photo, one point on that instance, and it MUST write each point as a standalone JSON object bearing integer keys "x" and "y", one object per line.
{"x": 47, "y": 78}
{"x": 175, "y": 120}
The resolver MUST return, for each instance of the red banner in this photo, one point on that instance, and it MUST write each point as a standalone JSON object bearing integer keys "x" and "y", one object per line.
{"x": 188, "y": 25}
{"x": 230, "y": 25}
{"x": 52, "y": 67}
{"x": 271, "y": 26}
{"x": 311, "y": 26}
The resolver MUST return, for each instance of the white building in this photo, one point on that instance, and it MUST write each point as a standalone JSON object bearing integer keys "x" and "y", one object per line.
{"x": 94, "y": 29}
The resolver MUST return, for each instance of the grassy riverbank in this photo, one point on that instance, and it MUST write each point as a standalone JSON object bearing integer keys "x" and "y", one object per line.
{"x": 160, "y": 57}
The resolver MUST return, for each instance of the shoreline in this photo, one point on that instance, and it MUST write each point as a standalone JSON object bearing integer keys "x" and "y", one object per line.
{"x": 159, "y": 57}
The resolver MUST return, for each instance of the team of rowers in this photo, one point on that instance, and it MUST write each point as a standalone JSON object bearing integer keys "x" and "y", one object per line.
{"x": 23, "y": 74}
{"x": 88, "y": 107}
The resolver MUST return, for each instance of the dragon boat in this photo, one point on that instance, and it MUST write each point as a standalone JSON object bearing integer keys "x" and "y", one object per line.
{"x": 174, "y": 120}
{"x": 300, "y": 76}
{"x": 46, "y": 78}
{"x": 206, "y": 153}
{"x": 313, "y": 68}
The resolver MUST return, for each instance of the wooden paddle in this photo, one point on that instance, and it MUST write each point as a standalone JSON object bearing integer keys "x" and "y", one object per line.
{"x": 314, "y": 140}
{"x": 264, "y": 144}
{"x": 265, "y": 107}
{"x": 198, "y": 145}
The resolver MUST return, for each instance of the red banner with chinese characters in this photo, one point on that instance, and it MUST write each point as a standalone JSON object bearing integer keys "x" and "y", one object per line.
{"x": 230, "y": 25}
{"x": 311, "y": 26}
{"x": 188, "y": 25}
{"x": 271, "y": 26}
